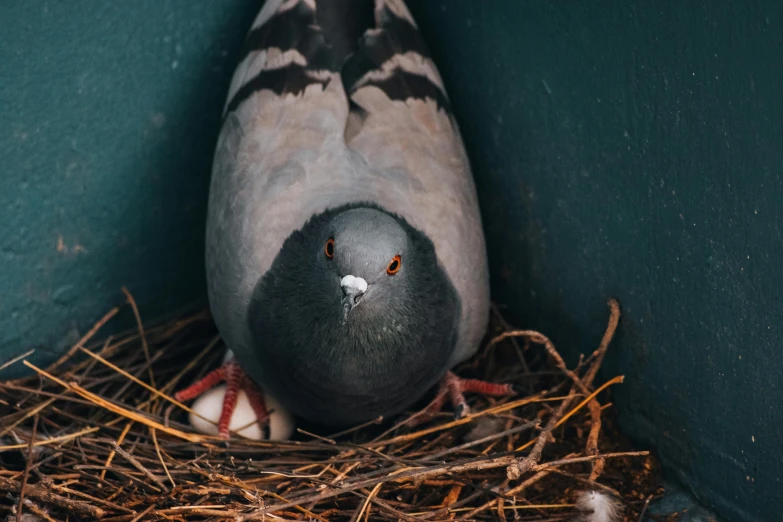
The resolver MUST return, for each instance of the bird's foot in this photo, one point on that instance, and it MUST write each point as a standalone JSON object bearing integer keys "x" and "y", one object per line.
{"x": 454, "y": 388}
{"x": 236, "y": 379}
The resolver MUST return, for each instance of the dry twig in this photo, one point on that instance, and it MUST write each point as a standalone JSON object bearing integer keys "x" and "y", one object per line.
{"x": 107, "y": 448}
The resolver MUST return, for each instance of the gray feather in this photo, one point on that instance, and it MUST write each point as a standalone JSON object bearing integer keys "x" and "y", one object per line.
{"x": 286, "y": 156}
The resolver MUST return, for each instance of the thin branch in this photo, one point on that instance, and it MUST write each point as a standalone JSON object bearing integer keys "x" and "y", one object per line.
{"x": 140, "y": 326}
{"x": 80, "y": 344}
{"x": 41, "y": 494}
{"x": 136, "y": 464}
{"x": 28, "y": 463}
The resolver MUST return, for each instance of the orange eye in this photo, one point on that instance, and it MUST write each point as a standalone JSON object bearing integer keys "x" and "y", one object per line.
{"x": 329, "y": 248}
{"x": 394, "y": 266}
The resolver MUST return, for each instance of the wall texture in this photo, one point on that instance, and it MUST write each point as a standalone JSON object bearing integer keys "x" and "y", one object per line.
{"x": 635, "y": 149}
{"x": 621, "y": 148}
{"x": 109, "y": 113}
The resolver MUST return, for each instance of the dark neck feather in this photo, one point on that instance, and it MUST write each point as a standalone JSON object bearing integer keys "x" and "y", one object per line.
{"x": 332, "y": 373}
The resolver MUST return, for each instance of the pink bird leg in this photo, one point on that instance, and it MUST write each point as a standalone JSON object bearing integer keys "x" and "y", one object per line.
{"x": 453, "y": 388}
{"x": 236, "y": 379}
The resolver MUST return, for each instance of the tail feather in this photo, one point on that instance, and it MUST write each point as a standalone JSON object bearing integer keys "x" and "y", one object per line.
{"x": 343, "y": 23}
{"x": 370, "y": 43}
{"x": 284, "y": 52}
{"x": 394, "y": 58}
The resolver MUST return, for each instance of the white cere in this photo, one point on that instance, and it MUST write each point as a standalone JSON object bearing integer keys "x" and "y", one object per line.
{"x": 356, "y": 283}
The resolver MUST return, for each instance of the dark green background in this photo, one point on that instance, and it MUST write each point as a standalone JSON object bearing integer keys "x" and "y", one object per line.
{"x": 621, "y": 148}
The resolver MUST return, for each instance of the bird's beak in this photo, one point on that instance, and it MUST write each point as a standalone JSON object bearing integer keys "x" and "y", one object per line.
{"x": 353, "y": 290}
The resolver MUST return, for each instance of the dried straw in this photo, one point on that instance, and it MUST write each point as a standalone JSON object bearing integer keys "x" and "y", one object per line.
{"x": 100, "y": 437}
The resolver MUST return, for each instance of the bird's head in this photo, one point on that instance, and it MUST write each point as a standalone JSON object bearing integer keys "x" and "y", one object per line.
{"x": 355, "y": 319}
{"x": 364, "y": 252}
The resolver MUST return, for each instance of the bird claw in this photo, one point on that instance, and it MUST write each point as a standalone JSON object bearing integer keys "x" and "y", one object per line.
{"x": 454, "y": 388}
{"x": 461, "y": 411}
{"x": 236, "y": 379}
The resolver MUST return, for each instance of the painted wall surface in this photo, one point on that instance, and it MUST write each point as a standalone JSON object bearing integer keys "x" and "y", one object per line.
{"x": 109, "y": 112}
{"x": 621, "y": 148}
{"x": 635, "y": 149}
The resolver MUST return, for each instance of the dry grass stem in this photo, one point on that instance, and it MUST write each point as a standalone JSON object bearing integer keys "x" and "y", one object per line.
{"x": 101, "y": 437}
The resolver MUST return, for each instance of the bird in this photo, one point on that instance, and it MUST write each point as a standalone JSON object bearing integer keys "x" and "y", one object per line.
{"x": 346, "y": 262}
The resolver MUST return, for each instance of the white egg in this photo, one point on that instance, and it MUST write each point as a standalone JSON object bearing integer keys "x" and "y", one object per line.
{"x": 209, "y": 406}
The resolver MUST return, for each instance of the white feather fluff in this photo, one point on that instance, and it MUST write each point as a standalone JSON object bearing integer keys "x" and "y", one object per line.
{"x": 598, "y": 507}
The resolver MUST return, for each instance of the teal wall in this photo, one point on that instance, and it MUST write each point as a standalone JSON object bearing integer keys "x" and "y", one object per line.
{"x": 110, "y": 112}
{"x": 635, "y": 149}
{"x": 621, "y": 148}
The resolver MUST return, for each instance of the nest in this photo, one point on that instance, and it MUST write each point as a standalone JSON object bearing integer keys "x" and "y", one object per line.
{"x": 97, "y": 435}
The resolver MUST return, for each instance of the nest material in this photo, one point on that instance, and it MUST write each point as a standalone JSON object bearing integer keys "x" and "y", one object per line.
{"x": 100, "y": 437}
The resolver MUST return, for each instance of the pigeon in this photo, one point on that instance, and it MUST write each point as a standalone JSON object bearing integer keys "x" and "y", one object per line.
{"x": 346, "y": 262}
